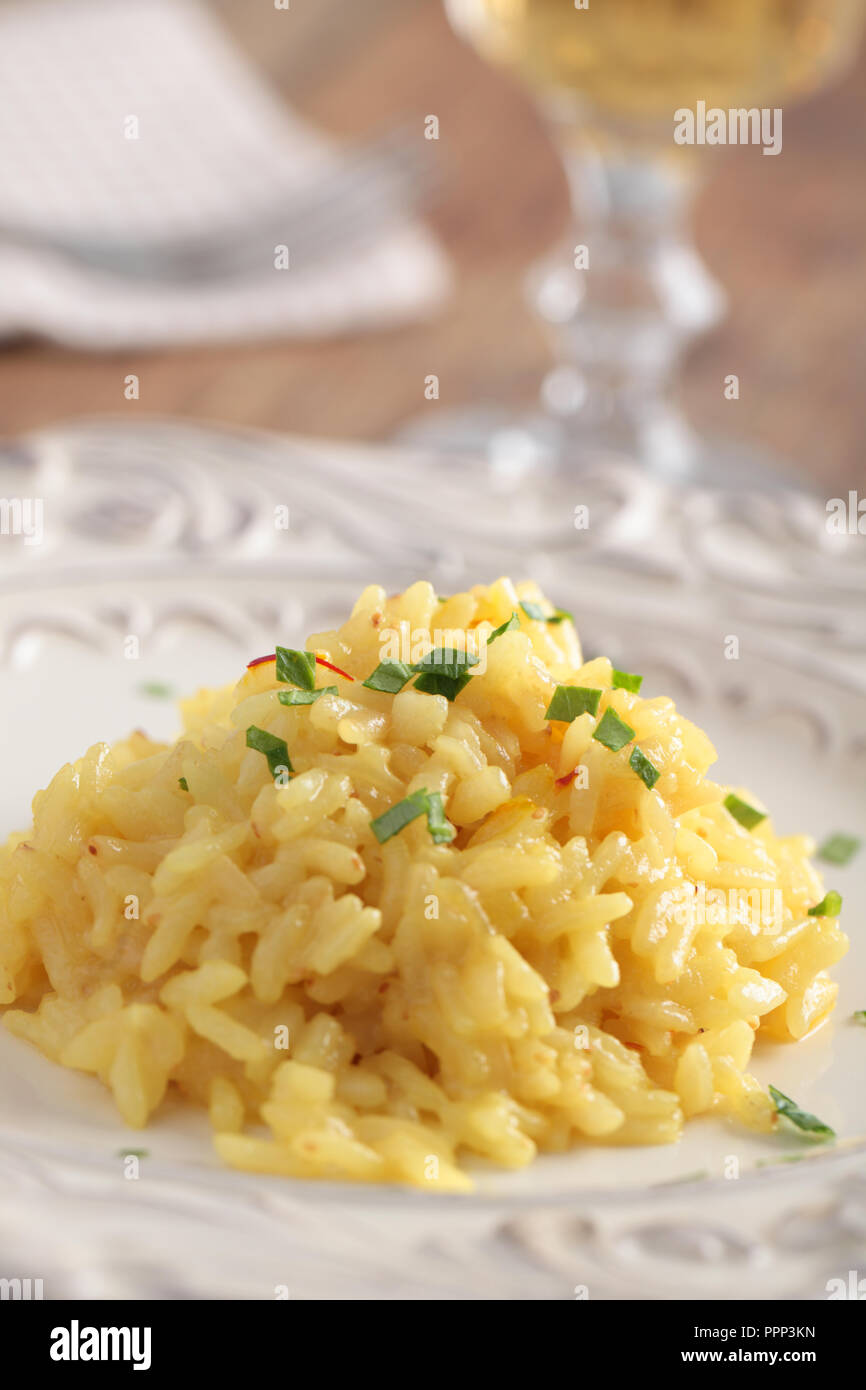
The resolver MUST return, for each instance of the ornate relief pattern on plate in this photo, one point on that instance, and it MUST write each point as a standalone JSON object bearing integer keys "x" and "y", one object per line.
{"x": 181, "y": 520}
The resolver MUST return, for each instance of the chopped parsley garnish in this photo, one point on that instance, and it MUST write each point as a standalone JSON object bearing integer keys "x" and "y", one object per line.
{"x": 397, "y": 817}
{"x": 183, "y": 784}
{"x": 859, "y": 1016}
{"x": 442, "y": 832}
{"x": 533, "y": 611}
{"x": 839, "y": 849}
{"x": 748, "y": 816}
{"x": 133, "y": 1153}
{"x": 431, "y": 683}
{"x": 624, "y": 680}
{"x": 508, "y": 626}
{"x": 443, "y": 671}
{"x": 646, "y": 771}
{"x": 389, "y": 676}
{"x": 774, "y": 1162}
{"x": 274, "y": 749}
{"x": 446, "y": 661}
{"x": 695, "y": 1176}
{"x": 305, "y": 697}
{"x": 569, "y": 701}
{"x": 808, "y": 1124}
{"x": 156, "y": 690}
{"x": 612, "y": 731}
{"x": 419, "y": 803}
{"x": 538, "y": 615}
{"x": 296, "y": 668}
{"x": 829, "y": 906}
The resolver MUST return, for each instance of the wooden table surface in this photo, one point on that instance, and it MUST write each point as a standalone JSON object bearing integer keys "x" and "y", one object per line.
{"x": 786, "y": 236}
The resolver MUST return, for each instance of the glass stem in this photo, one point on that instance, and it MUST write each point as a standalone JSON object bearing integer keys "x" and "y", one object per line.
{"x": 622, "y": 304}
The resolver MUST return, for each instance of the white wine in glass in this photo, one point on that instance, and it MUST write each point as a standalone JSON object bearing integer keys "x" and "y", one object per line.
{"x": 639, "y": 60}
{"x": 610, "y": 75}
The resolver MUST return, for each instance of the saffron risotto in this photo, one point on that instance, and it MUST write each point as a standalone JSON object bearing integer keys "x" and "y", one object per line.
{"x": 376, "y": 931}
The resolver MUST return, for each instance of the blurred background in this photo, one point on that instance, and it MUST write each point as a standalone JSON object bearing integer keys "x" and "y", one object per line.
{"x": 229, "y": 213}
{"x": 785, "y": 236}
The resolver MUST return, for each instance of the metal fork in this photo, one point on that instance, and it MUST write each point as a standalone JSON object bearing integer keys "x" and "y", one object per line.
{"x": 345, "y": 208}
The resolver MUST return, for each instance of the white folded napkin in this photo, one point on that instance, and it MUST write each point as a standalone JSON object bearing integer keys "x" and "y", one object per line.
{"x": 213, "y": 146}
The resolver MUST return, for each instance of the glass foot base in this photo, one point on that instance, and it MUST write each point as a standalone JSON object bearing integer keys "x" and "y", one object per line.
{"x": 519, "y": 444}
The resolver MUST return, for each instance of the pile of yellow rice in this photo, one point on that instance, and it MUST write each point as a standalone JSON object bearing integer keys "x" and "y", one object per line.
{"x": 180, "y": 916}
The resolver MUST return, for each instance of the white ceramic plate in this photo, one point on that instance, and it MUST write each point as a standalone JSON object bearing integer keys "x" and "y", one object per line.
{"x": 711, "y": 1215}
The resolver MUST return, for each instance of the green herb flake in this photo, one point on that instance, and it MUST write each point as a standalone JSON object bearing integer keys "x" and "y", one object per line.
{"x": 646, "y": 771}
{"x": 305, "y": 697}
{"x": 569, "y": 701}
{"x": 839, "y": 849}
{"x": 442, "y": 832}
{"x": 859, "y": 1016}
{"x": 613, "y": 732}
{"x": 419, "y": 803}
{"x": 748, "y": 816}
{"x": 431, "y": 683}
{"x": 156, "y": 690}
{"x": 133, "y": 1153}
{"x": 538, "y": 615}
{"x": 397, "y": 817}
{"x": 274, "y": 749}
{"x": 624, "y": 680}
{"x": 697, "y": 1175}
{"x": 183, "y": 784}
{"x": 443, "y": 671}
{"x": 509, "y": 625}
{"x": 774, "y": 1162}
{"x": 801, "y": 1119}
{"x": 389, "y": 677}
{"x": 533, "y": 611}
{"x": 829, "y": 906}
{"x": 296, "y": 668}
{"x": 445, "y": 661}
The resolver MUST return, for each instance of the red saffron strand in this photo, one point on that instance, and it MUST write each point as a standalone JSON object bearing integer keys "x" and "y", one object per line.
{"x": 320, "y": 661}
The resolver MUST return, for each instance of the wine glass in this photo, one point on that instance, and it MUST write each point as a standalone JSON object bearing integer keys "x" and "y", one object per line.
{"x": 627, "y": 291}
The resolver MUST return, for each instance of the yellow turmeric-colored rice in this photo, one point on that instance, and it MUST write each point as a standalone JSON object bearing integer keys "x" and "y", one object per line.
{"x": 525, "y": 974}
